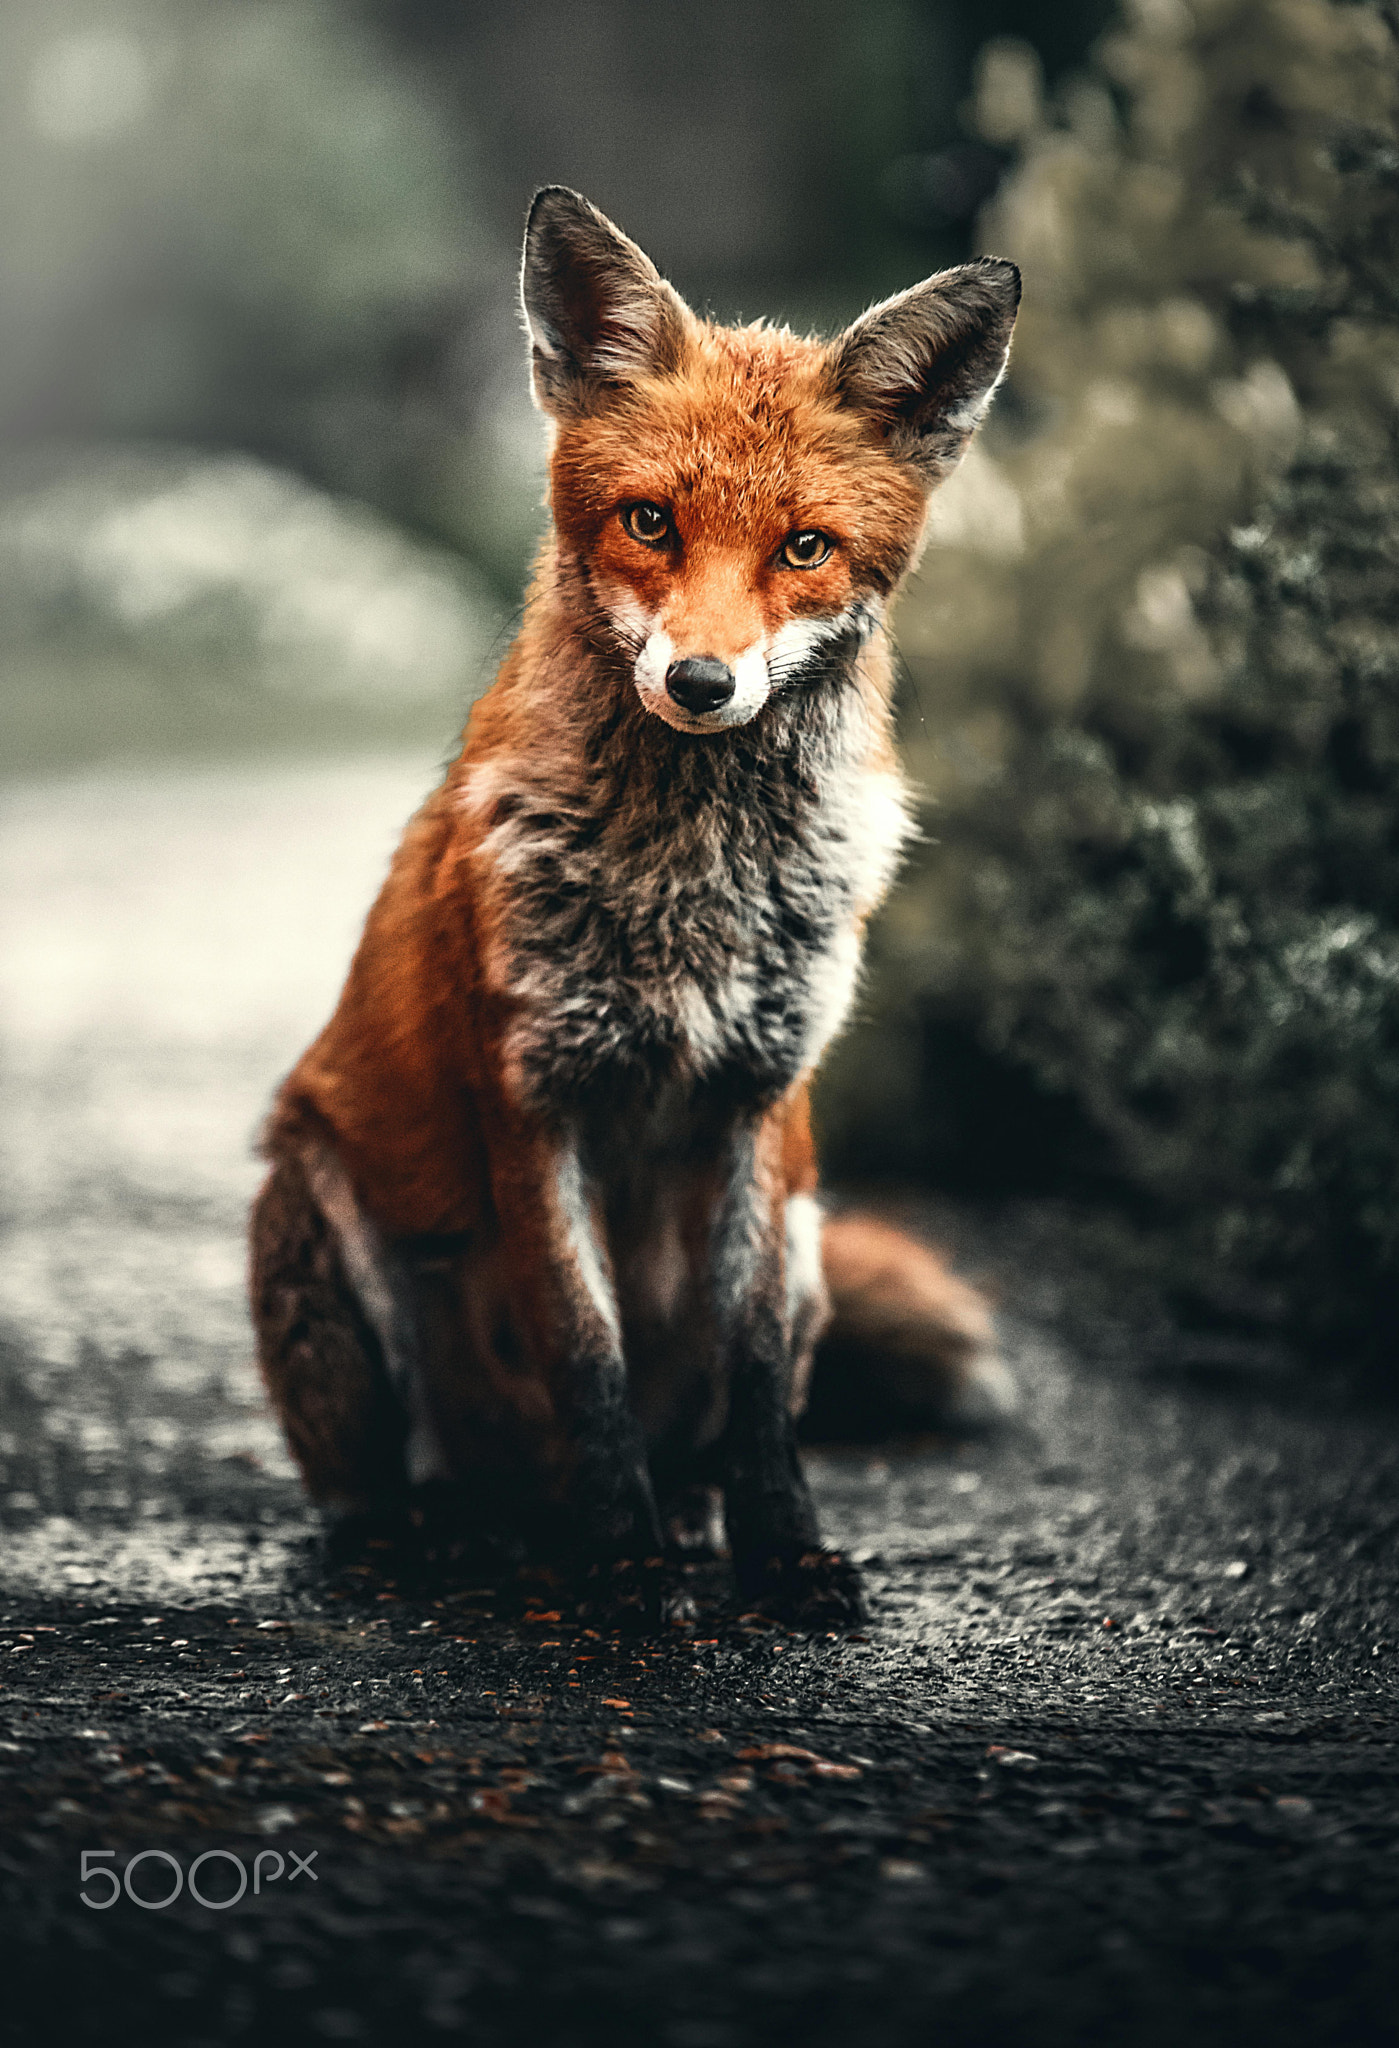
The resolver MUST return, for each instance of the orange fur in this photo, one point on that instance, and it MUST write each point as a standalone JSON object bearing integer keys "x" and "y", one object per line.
{"x": 921, "y": 1330}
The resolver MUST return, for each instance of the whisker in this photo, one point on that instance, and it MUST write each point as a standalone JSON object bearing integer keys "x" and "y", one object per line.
{"x": 808, "y": 674}
{"x": 626, "y": 637}
{"x": 629, "y": 641}
{"x": 903, "y": 674}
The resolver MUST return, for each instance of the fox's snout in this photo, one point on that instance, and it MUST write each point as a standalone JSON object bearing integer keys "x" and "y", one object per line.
{"x": 700, "y": 684}
{"x": 702, "y": 643}
{"x": 701, "y": 692}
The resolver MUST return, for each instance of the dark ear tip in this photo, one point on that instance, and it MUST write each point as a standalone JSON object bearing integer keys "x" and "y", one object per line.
{"x": 557, "y": 202}
{"x": 1006, "y": 275}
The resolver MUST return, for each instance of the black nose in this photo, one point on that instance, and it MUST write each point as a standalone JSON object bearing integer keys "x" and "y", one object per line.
{"x": 700, "y": 683}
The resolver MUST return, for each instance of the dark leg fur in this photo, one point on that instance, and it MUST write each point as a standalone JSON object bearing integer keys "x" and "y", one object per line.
{"x": 773, "y": 1534}
{"x": 778, "y": 1559}
{"x": 320, "y": 1359}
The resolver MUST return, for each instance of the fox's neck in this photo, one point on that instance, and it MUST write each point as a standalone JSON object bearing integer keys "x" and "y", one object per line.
{"x": 673, "y": 906}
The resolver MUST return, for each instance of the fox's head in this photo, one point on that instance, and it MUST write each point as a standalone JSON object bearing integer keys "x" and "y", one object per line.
{"x": 741, "y": 498}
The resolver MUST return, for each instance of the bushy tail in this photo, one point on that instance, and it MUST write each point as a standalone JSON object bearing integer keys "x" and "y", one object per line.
{"x": 906, "y": 1338}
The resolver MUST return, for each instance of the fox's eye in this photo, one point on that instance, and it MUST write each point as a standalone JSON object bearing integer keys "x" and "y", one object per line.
{"x": 650, "y": 524}
{"x": 806, "y": 549}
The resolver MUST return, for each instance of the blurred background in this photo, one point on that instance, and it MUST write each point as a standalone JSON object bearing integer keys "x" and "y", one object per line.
{"x": 270, "y": 482}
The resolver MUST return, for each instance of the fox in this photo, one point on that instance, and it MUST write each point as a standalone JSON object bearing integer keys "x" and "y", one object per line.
{"x": 541, "y": 1231}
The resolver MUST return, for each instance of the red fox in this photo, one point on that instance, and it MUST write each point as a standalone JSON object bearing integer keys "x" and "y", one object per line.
{"x": 541, "y": 1221}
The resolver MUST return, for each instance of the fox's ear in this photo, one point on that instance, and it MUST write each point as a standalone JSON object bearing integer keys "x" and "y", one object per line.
{"x": 597, "y": 309}
{"x": 924, "y": 365}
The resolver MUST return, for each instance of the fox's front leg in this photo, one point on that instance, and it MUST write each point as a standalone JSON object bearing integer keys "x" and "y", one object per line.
{"x": 772, "y": 1528}
{"x": 564, "y": 1310}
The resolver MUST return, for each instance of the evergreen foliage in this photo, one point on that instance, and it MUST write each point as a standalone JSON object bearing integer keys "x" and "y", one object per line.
{"x": 1157, "y": 651}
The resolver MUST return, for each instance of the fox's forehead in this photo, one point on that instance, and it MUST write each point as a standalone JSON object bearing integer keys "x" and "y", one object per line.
{"x": 748, "y": 429}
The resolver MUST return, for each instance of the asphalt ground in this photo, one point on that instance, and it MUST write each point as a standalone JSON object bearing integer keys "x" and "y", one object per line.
{"x": 1114, "y": 1761}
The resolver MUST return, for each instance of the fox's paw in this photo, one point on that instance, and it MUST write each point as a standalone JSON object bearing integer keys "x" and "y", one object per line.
{"x": 811, "y": 1589}
{"x": 642, "y": 1595}
{"x": 374, "y": 1536}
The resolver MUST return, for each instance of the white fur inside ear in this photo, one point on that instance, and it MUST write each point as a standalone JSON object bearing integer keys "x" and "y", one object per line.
{"x": 542, "y": 337}
{"x": 900, "y": 361}
{"x": 634, "y": 320}
{"x": 969, "y": 417}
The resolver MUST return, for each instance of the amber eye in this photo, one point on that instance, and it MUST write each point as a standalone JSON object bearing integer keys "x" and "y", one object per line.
{"x": 806, "y": 549}
{"x": 650, "y": 524}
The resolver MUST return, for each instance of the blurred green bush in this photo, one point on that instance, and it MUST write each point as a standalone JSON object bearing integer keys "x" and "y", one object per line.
{"x": 1157, "y": 938}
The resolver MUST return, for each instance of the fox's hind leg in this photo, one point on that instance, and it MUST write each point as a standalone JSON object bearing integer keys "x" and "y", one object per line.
{"x": 321, "y": 1359}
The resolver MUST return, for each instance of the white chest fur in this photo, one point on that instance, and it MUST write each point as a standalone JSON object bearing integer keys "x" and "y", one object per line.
{"x": 709, "y": 923}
